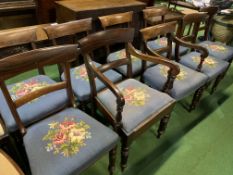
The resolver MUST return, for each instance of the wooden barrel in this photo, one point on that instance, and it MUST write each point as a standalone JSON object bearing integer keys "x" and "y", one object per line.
{"x": 222, "y": 28}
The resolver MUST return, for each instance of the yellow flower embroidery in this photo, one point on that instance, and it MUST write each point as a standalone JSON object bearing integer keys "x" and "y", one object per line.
{"x": 66, "y": 137}
{"x": 53, "y": 125}
{"x": 81, "y": 72}
{"x": 216, "y": 48}
{"x": 23, "y": 88}
{"x": 164, "y": 71}
{"x": 122, "y": 54}
{"x": 208, "y": 61}
{"x": 162, "y": 42}
{"x": 135, "y": 96}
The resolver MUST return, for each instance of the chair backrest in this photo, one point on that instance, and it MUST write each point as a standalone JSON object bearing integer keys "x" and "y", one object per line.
{"x": 18, "y": 37}
{"x": 211, "y": 11}
{"x": 154, "y": 13}
{"x": 116, "y": 19}
{"x": 191, "y": 22}
{"x": 72, "y": 28}
{"x": 68, "y": 33}
{"x": 101, "y": 39}
{"x": 26, "y": 61}
{"x": 18, "y": 40}
{"x": 165, "y": 29}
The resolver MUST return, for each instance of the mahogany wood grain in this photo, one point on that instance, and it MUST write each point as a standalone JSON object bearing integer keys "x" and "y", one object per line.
{"x": 17, "y": 37}
{"x": 110, "y": 37}
{"x": 115, "y": 19}
{"x": 79, "y": 9}
{"x": 67, "y": 33}
{"x": 168, "y": 30}
{"x": 68, "y": 28}
{"x": 193, "y": 21}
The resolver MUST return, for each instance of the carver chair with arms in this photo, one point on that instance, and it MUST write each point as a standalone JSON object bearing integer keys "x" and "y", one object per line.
{"x": 188, "y": 80}
{"x": 154, "y": 16}
{"x": 214, "y": 66}
{"x": 130, "y": 106}
{"x": 215, "y": 49}
{"x": 68, "y": 140}
{"x": 79, "y": 77}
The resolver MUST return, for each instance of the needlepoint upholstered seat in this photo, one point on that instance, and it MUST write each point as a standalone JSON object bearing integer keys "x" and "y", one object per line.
{"x": 187, "y": 81}
{"x": 38, "y": 108}
{"x": 18, "y": 41}
{"x": 67, "y": 140}
{"x": 130, "y": 106}
{"x": 214, "y": 67}
{"x": 79, "y": 76}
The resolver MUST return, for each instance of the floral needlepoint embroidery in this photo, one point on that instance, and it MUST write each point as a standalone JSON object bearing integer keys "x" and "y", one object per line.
{"x": 23, "y": 88}
{"x": 208, "y": 61}
{"x": 216, "y": 48}
{"x": 135, "y": 96}
{"x": 122, "y": 54}
{"x": 162, "y": 42}
{"x": 81, "y": 72}
{"x": 66, "y": 137}
{"x": 164, "y": 70}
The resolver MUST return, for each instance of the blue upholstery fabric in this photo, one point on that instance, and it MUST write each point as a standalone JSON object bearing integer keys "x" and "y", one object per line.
{"x": 136, "y": 62}
{"x": 218, "y": 50}
{"x": 45, "y": 162}
{"x": 162, "y": 42}
{"x": 134, "y": 114}
{"x": 212, "y": 71}
{"x": 80, "y": 81}
{"x": 36, "y": 109}
{"x": 186, "y": 82}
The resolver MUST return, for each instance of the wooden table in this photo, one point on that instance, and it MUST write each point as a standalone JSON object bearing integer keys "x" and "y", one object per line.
{"x": 79, "y": 9}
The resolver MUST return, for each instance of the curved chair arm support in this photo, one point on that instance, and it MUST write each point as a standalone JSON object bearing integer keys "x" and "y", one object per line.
{"x": 112, "y": 87}
{"x": 173, "y": 71}
{"x": 204, "y": 52}
{"x": 157, "y": 59}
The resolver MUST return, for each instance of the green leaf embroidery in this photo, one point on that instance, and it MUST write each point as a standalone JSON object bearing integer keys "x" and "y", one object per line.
{"x": 66, "y": 137}
{"x": 135, "y": 96}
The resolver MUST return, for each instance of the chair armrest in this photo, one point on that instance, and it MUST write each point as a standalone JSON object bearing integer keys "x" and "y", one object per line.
{"x": 204, "y": 52}
{"x": 173, "y": 71}
{"x": 111, "y": 86}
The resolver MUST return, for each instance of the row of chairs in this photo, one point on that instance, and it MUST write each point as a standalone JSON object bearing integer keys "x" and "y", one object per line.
{"x": 130, "y": 106}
